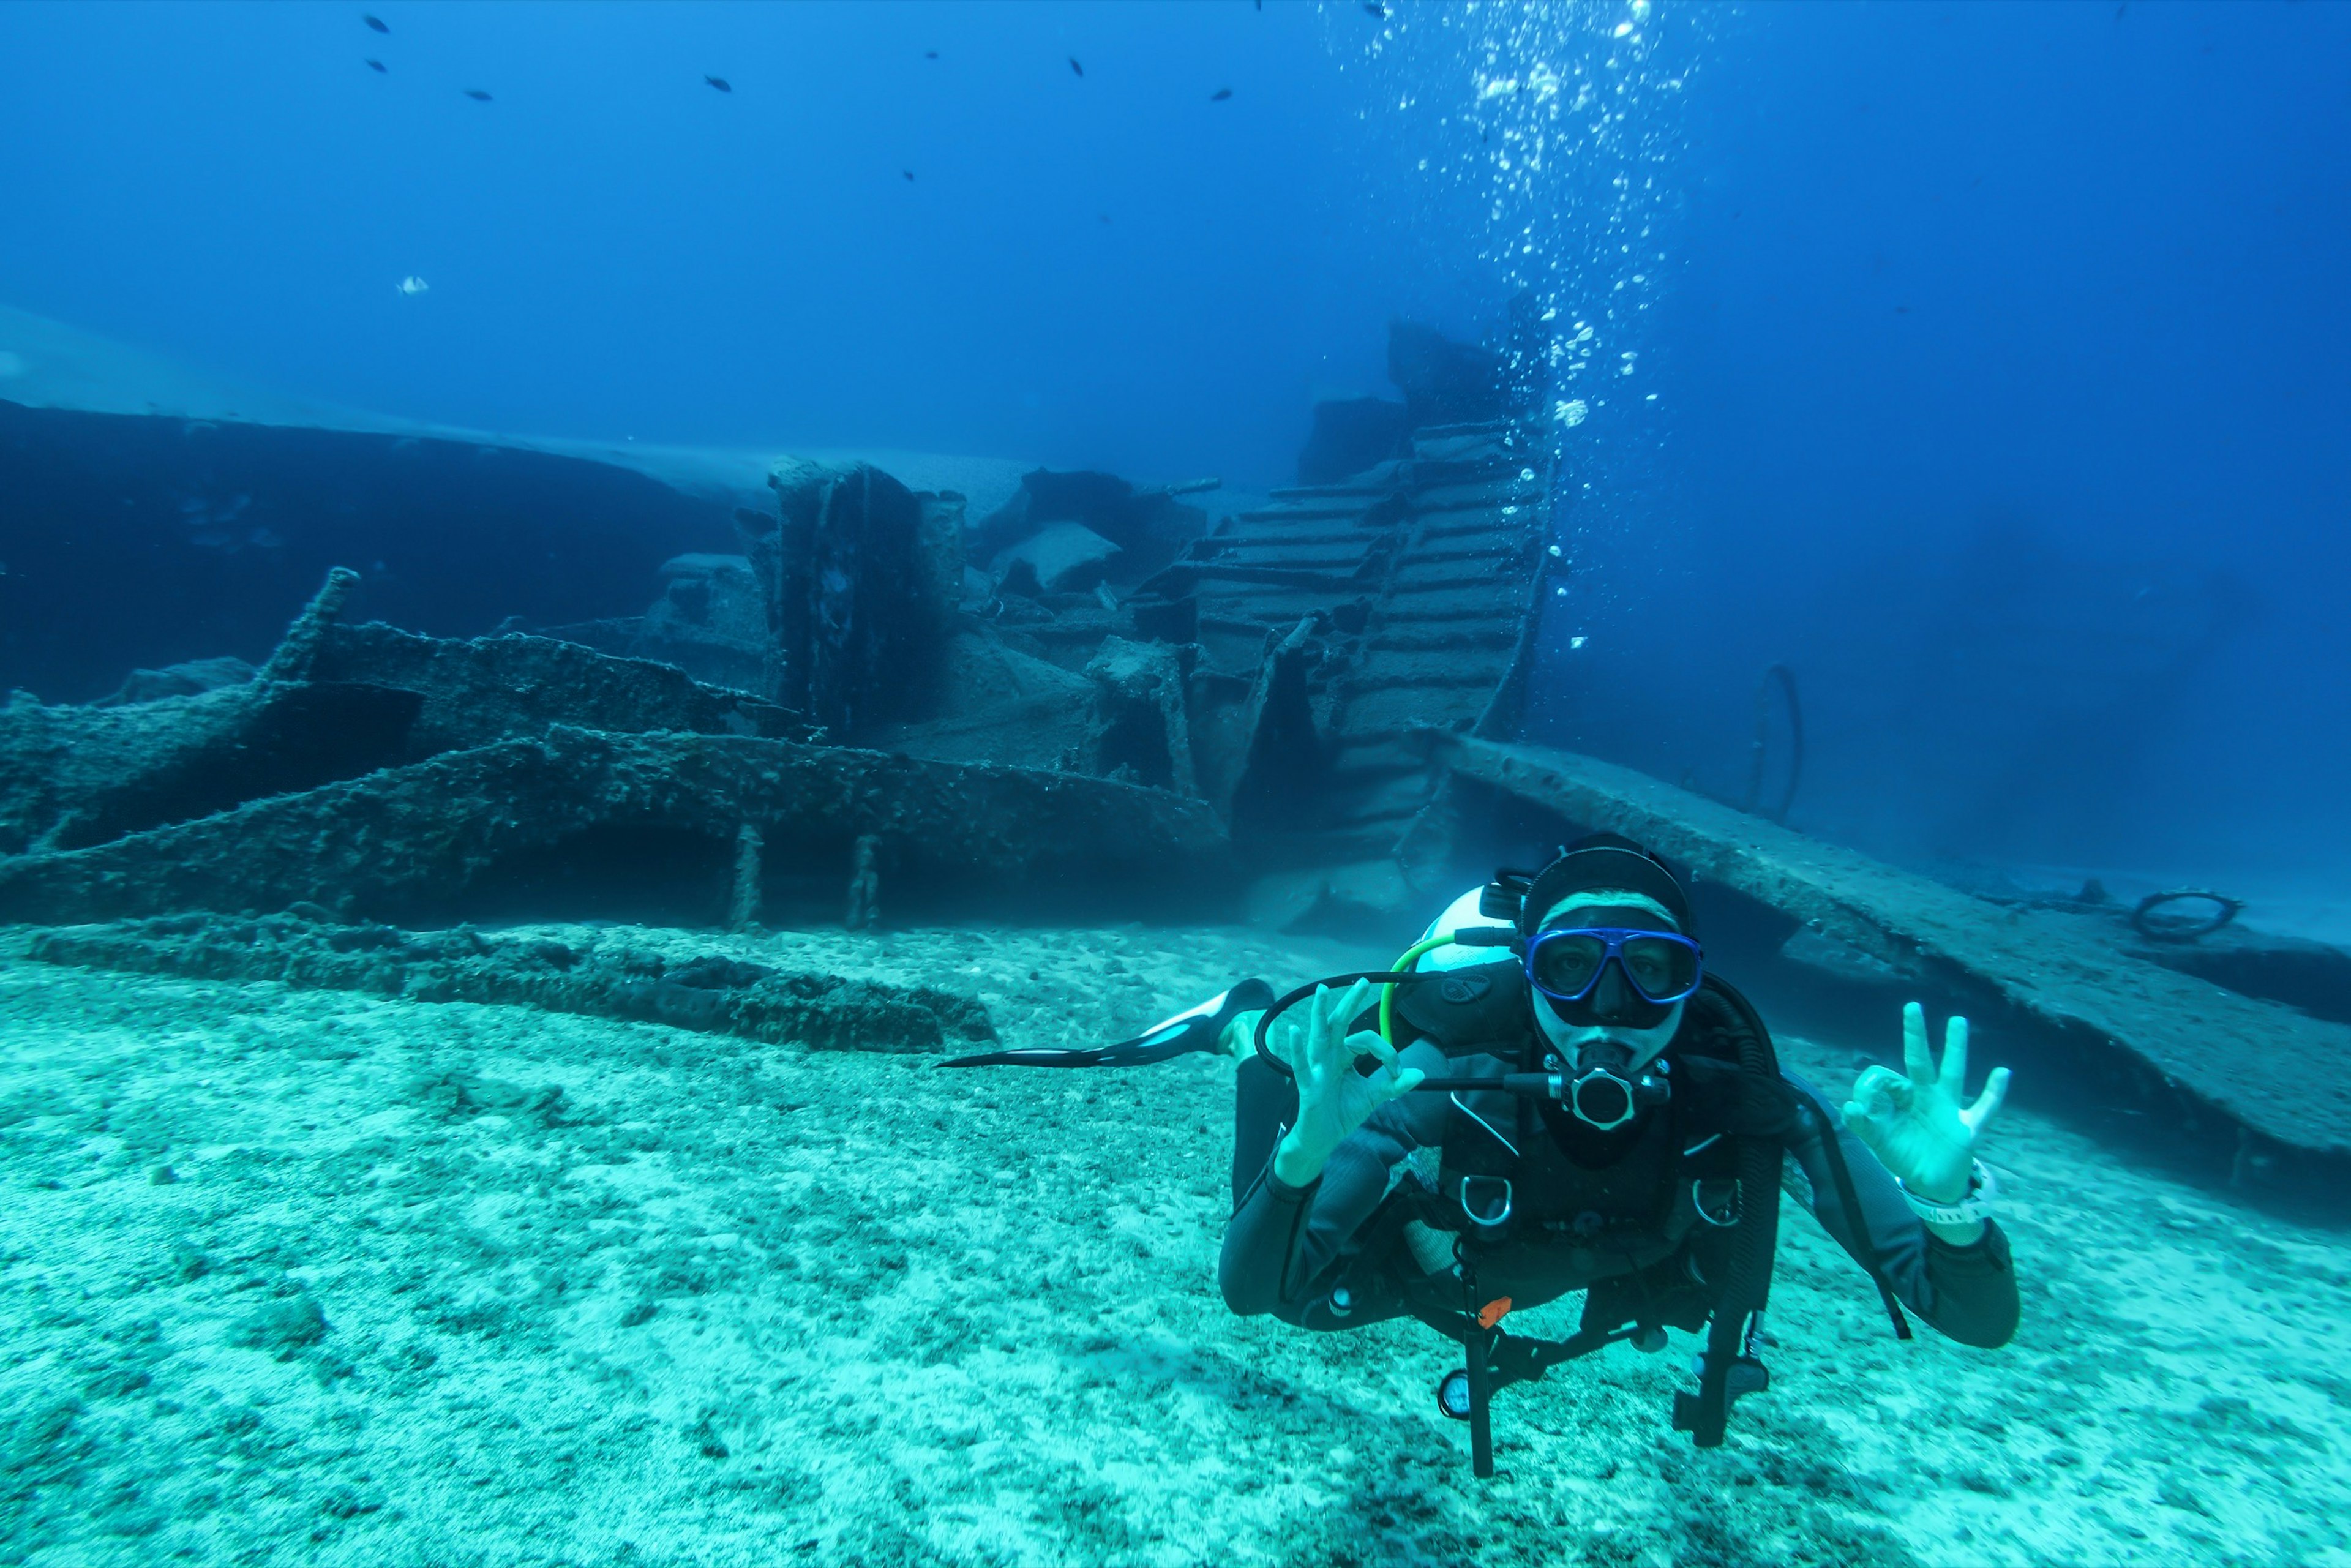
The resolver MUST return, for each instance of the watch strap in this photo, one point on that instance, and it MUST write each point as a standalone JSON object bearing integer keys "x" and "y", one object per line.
{"x": 1977, "y": 1204}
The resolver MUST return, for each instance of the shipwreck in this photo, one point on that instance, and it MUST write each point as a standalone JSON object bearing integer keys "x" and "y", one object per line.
{"x": 727, "y": 702}
{"x": 541, "y": 681}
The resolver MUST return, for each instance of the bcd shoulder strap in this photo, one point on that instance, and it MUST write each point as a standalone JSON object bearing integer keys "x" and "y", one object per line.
{"x": 1476, "y": 1008}
{"x": 1788, "y": 1115}
{"x": 1486, "y": 1134}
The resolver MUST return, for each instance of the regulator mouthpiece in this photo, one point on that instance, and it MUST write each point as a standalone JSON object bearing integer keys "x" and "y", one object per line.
{"x": 1605, "y": 1099}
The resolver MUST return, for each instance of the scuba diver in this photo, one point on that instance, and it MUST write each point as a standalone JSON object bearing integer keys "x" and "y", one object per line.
{"x": 1550, "y": 1093}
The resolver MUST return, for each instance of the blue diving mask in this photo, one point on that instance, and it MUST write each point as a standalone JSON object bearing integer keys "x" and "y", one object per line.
{"x": 1662, "y": 966}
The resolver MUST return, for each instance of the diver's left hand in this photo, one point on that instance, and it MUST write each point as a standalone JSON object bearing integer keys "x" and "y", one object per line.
{"x": 1915, "y": 1125}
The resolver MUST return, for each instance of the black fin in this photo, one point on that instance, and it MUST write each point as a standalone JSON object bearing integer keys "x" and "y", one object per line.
{"x": 1187, "y": 1032}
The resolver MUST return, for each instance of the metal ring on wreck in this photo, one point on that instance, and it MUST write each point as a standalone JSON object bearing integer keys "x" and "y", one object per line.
{"x": 2177, "y": 930}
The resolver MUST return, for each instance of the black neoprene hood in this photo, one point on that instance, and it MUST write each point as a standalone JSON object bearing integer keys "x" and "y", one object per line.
{"x": 1605, "y": 861}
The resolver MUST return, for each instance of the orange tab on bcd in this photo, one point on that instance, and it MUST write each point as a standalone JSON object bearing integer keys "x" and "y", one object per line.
{"x": 1493, "y": 1311}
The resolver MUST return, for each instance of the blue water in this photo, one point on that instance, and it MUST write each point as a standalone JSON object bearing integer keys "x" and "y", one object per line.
{"x": 1990, "y": 361}
{"x": 1986, "y": 366}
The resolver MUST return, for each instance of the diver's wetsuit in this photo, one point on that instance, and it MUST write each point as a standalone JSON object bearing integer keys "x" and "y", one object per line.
{"x": 1287, "y": 1246}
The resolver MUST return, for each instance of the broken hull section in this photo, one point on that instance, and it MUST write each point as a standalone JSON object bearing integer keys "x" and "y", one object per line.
{"x": 473, "y": 834}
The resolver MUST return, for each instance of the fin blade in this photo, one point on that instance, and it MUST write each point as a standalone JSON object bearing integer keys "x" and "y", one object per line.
{"x": 1194, "y": 1030}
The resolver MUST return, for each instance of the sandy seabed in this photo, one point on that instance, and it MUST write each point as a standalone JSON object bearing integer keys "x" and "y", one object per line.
{"x": 313, "y": 1277}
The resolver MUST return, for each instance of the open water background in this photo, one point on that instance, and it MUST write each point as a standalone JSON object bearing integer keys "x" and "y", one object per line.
{"x": 1989, "y": 363}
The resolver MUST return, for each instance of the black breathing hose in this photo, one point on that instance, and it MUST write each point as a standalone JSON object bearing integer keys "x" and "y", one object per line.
{"x": 1376, "y": 977}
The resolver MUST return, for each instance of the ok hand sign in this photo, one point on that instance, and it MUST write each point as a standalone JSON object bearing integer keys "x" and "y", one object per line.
{"x": 1333, "y": 1099}
{"x": 1916, "y": 1124}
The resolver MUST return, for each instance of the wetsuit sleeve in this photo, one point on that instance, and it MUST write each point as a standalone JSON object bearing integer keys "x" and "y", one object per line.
{"x": 1281, "y": 1238}
{"x": 1969, "y": 1293}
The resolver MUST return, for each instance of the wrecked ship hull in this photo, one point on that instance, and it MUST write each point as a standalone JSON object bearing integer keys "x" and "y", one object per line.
{"x": 421, "y": 842}
{"x": 1408, "y": 595}
{"x": 1256, "y": 659}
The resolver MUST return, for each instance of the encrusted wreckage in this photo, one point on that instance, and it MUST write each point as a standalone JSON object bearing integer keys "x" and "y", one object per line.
{"x": 307, "y": 949}
{"x": 1093, "y": 688}
{"x": 1267, "y": 664}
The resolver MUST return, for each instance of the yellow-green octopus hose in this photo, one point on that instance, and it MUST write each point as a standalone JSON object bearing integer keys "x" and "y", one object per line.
{"x": 1387, "y": 992}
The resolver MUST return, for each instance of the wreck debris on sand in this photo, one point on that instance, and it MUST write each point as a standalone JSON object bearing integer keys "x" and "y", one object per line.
{"x": 307, "y": 949}
{"x": 1256, "y": 682}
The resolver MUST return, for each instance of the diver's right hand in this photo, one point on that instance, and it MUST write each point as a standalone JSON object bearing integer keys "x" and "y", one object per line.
{"x": 1333, "y": 1099}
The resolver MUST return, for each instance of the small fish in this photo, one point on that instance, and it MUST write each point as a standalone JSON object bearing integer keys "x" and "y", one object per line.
{"x": 930, "y": 54}
{"x": 1104, "y": 216}
{"x": 375, "y": 21}
{"x": 1373, "y": 8}
{"x": 477, "y": 95}
{"x": 909, "y": 173}
{"x": 376, "y": 66}
{"x": 1076, "y": 68}
{"x": 721, "y": 83}
{"x": 1221, "y": 94}
{"x": 1902, "y": 310}
{"x": 411, "y": 285}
